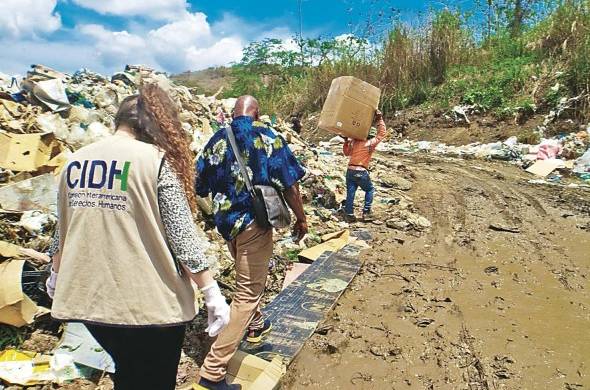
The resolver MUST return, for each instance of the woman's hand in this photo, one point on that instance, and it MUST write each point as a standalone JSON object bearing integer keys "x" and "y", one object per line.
{"x": 50, "y": 283}
{"x": 217, "y": 309}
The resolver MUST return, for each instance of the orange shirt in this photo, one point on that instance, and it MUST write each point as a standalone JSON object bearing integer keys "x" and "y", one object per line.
{"x": 360, "y": 152}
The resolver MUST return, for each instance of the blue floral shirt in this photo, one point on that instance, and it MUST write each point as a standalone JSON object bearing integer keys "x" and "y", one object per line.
{"x": 269, "y": 162}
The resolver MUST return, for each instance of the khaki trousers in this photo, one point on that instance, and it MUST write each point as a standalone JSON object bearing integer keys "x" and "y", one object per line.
{"x": 251, "y": 250}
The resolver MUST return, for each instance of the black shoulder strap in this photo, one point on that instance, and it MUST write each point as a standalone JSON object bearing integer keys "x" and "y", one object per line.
{"x": 239, "y": 159}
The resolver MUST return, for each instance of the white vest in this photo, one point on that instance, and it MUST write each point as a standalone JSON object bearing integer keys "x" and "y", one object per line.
{"x": 116, "y": 266}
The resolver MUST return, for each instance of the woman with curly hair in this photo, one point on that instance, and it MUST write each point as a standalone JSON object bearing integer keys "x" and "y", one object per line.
{"x": 126, "y": 247}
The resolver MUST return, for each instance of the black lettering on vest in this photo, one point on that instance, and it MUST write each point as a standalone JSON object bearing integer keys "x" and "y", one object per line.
{"x": 72, "y": 184}
{"x": 83, "y": 175}
{"x": 103, "y": 174}
{"x": 113, "y": 173}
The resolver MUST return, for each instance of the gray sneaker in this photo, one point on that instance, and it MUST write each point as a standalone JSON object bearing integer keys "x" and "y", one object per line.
{"x": 368, "y": 216}
{"x": 349, "y": 218}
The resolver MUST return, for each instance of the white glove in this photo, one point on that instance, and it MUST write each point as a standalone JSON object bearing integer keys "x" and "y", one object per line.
{"x": 50, "y": 283}
{"x": 217, "y": 309}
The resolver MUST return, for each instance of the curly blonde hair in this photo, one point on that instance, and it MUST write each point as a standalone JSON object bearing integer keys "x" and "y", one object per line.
{"x": 158, "y": 123}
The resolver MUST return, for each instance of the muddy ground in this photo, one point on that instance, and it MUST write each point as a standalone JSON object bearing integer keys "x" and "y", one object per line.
{"x": 459, "y": 306}
{"x": 464, "y": 306}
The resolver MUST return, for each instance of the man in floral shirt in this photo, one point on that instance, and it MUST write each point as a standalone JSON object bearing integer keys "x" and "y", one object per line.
{"x": 269, "y": 162}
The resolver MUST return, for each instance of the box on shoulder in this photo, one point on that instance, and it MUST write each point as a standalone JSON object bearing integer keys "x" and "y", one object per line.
{"x": 350, "y": 107}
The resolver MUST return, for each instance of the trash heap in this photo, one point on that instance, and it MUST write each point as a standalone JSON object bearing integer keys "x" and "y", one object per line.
{"x": 550, "y": 160}
{"x": 48, "y": 115}
{"x": 43, "y": 118}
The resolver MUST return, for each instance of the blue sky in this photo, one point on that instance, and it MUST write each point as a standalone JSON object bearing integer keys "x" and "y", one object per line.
{"x": 171, "y": 35}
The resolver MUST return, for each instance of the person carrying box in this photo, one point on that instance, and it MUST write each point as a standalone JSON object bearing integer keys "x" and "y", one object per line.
{"x": 357, "y": 174}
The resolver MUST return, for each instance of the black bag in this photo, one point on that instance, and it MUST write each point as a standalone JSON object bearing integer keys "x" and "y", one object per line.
{"x": 270, "y": 209}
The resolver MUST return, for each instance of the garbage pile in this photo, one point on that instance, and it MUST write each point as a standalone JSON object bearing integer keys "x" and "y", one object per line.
{"x": 49, "y": 114}
{"x": 550, "y": 160}
{"x": 43, "y": 118}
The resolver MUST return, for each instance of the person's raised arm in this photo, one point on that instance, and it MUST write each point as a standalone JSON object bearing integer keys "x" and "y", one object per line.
{"x": 347, "y": 147}
{"x": 381, "y": 129}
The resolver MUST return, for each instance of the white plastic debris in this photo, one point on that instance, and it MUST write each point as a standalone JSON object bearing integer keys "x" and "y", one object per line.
{"x": 35, "y": 221}
{"x": 53, "y": 123}
{"x": 95, "y": 132}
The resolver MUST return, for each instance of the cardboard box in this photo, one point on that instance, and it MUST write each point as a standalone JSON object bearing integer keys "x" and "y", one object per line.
{"x": 350, "y": 107}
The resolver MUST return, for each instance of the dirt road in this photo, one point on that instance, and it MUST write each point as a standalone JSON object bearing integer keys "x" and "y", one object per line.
{"x": 464, "y": 306}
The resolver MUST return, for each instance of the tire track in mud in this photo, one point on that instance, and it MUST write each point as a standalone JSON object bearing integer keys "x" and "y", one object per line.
{"x": 464, "y": 307}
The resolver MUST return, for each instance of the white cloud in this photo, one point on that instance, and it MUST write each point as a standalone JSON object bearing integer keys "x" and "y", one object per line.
{"x": 191, "y": 29}
{"x": 184, "y": 44}
{"x": 117, "y": 48}
{"x": 17, "y": 55}
{"x": 152, "y": 9}
{"x": 173, "y": 40}
{"x": 225, "y": 51}
{"x": 28, "y": 18}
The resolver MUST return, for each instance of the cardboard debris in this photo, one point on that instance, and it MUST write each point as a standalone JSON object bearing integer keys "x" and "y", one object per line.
{"x": 254, "y": 373}
{"x": 27, "y": 152}
{"x": 293, "y": 273}
{"x": 9, "y": 250}
{"x": 16, "y": 308}
{"x": 37, "y": 193}
{"x": 41, "y": 72}
{"x": 544, "y": 167}
{"x": 331, "y": 242}
{"x": 78, "y": 343}
{"x": 36, "y": 257}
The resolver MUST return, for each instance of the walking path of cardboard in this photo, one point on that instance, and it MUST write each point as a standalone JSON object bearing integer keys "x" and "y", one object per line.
{"x": 295, "y": 314}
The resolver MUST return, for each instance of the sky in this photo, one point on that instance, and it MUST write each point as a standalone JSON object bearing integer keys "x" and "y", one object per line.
{"x": 171, "y": 35}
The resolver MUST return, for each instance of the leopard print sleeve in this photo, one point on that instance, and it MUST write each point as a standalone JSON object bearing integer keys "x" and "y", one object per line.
{"x": 186, "y": 244}
{"x": 54, "y": 246}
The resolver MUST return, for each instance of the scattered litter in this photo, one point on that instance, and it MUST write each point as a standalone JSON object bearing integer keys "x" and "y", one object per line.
{"x": 397, "y": 182}
{"x": 8, "y": 250}
{"x": 30, "y": 368}
{"x": 504, "y": 228}
{"x": 406, "y": 220}
{"x": 51, "y": 93}
{"x": 35, "y": 221}
{"x": 37, "y": 193}
{"x": 423, "y": 322}
{"x": 253, "y": 372}
{"x": 82, "y": 348}
{"x": 331, "y": 243}
{"x": 16, "y": 308}
{"x": 544, "y": 167}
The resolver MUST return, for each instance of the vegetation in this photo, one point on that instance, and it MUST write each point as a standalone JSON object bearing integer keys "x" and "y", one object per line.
{"x": 505, "y": 57}
{"x": 11, "y": 336}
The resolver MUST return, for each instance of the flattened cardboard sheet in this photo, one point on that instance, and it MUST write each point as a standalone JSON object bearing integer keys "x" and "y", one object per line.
{"x": 298, "y": 309}
{"x": 16, "y": 308}
{"x": 544, "y": 167}
{"x": 27, "y": 152}
{"x": 331, "y": 243}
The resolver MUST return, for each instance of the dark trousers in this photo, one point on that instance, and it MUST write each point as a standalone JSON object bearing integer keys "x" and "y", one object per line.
{"x": 145, "y": 358}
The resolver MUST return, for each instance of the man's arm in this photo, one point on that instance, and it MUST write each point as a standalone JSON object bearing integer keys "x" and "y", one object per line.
{"x": 347, "y": 148}
{"x": 293, "y": 199}
{"x": 381, "y": 129}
